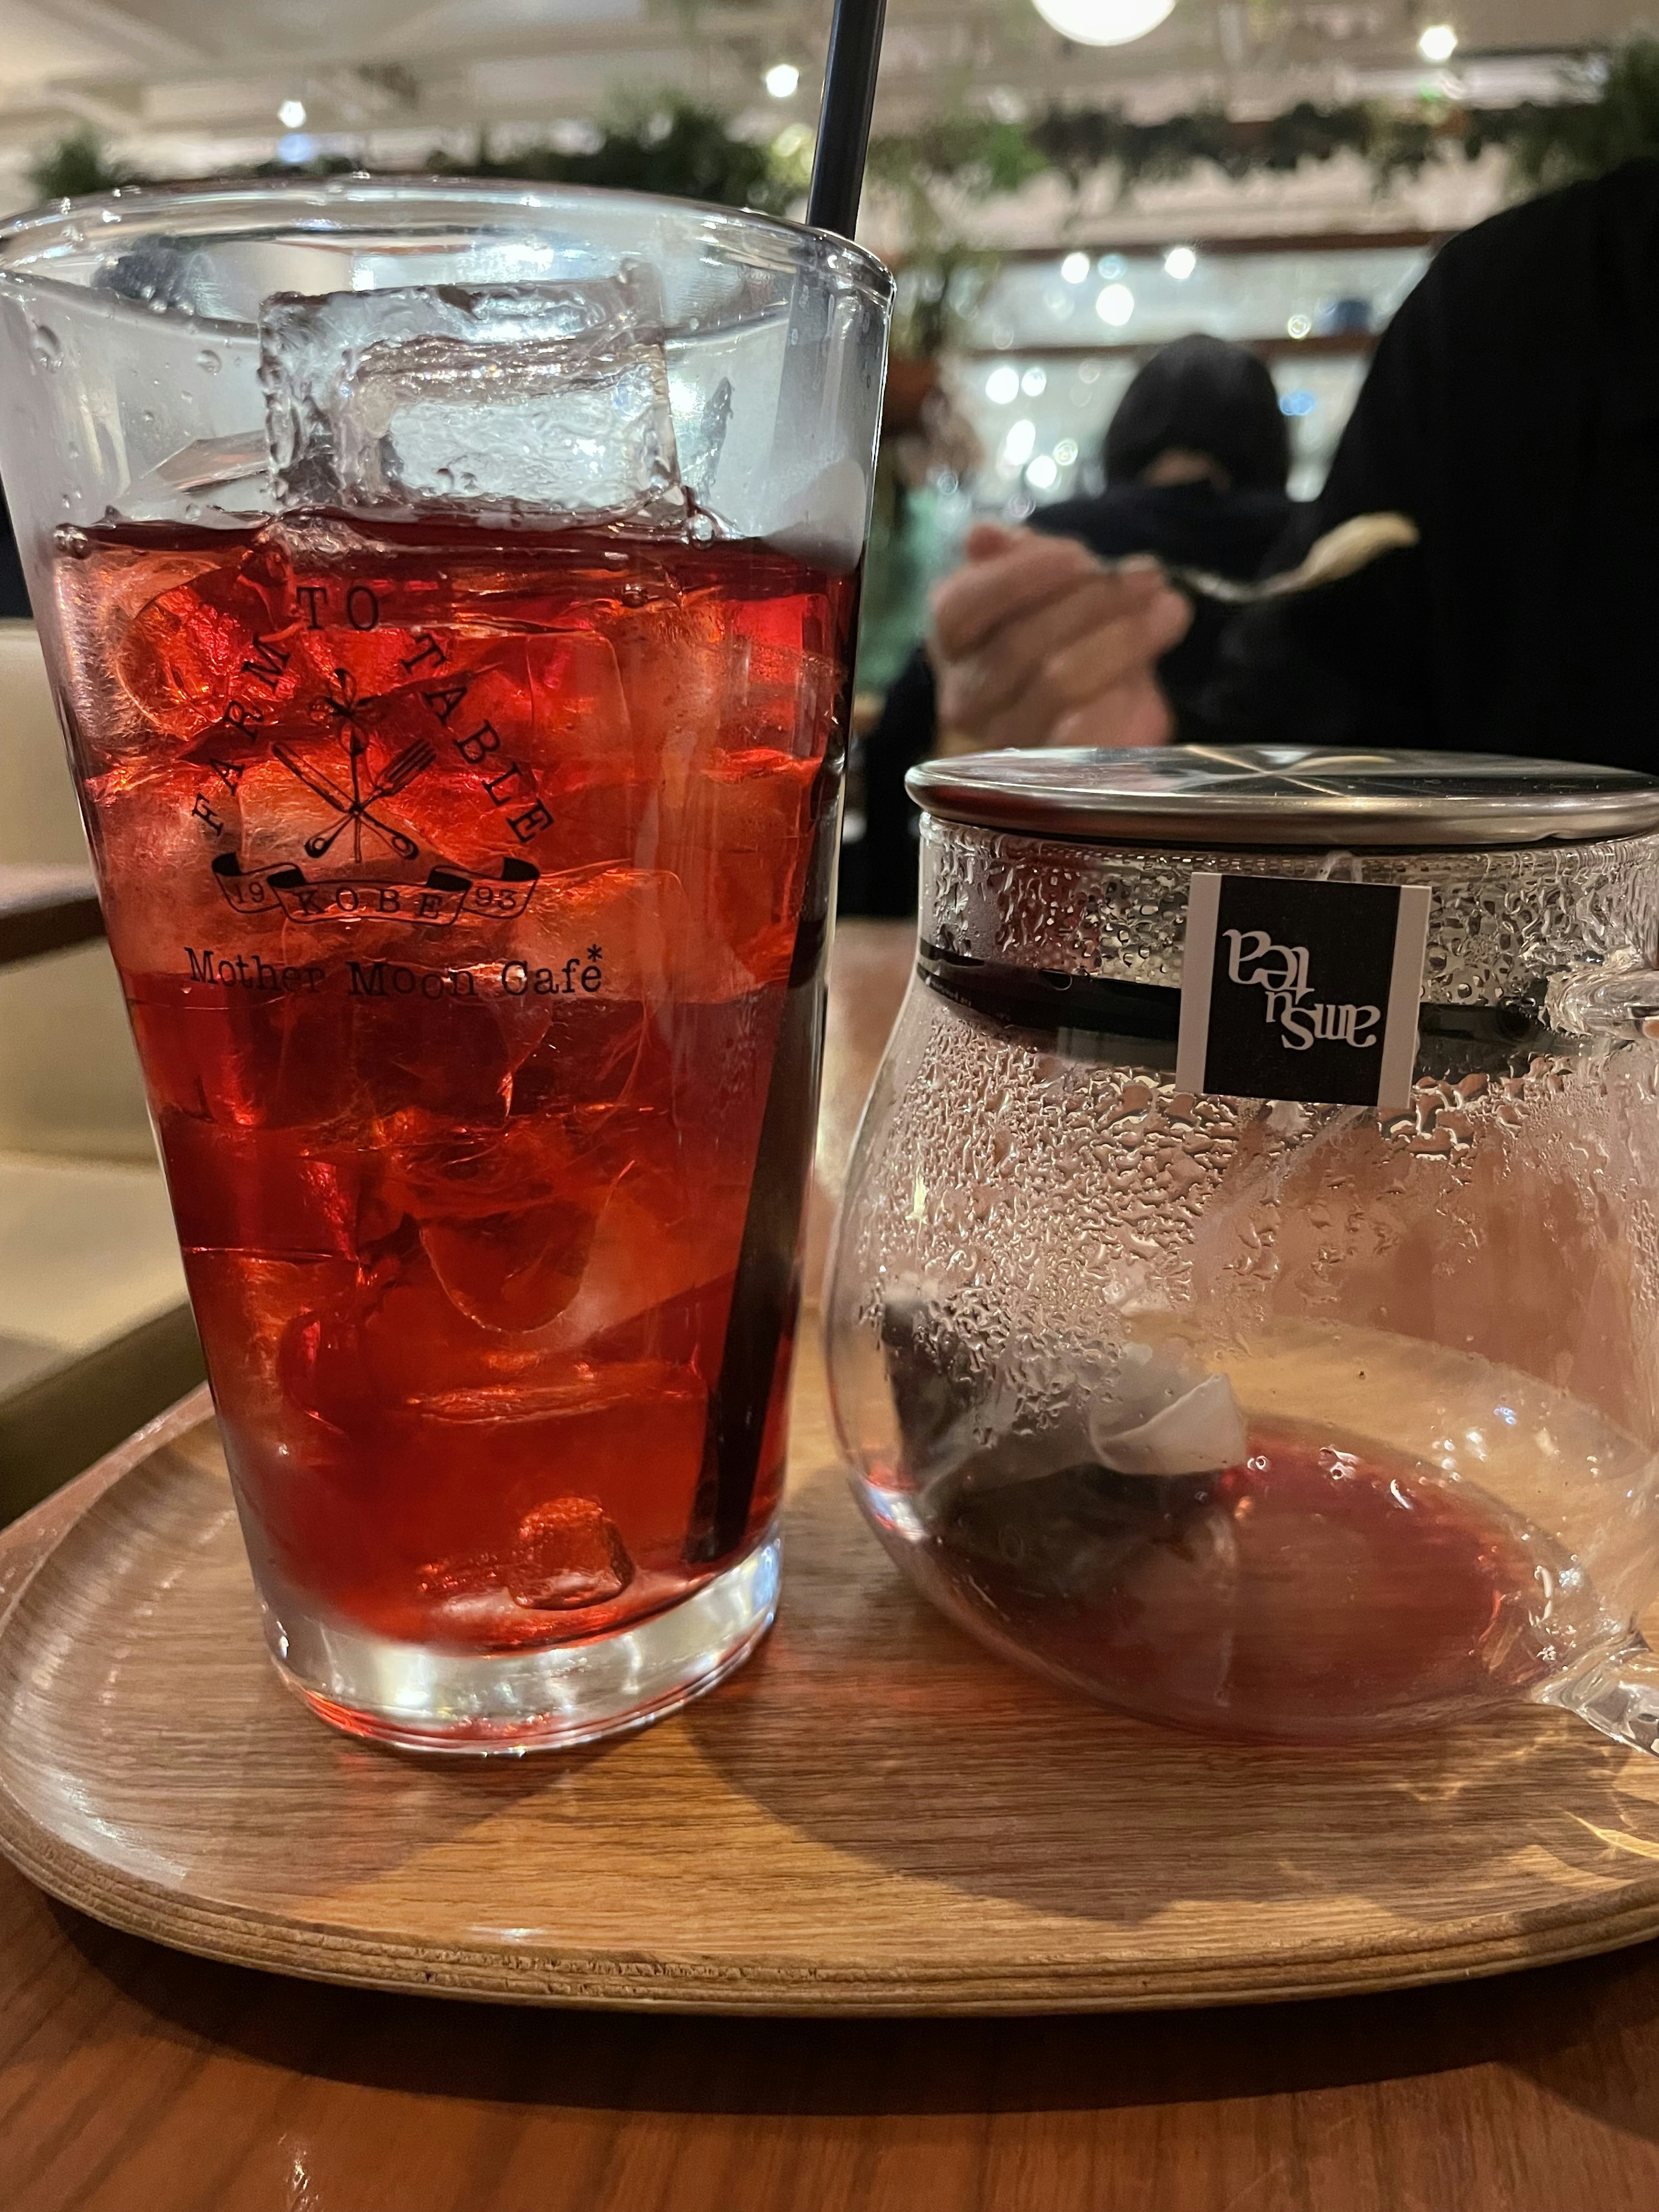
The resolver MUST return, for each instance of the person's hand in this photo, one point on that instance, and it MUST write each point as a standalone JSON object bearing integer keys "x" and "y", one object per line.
{"x": 1037, "y": 642}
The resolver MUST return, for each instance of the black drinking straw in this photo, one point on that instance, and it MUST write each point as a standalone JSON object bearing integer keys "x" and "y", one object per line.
{"x": 850, "y": 96}
{"x": 766, "y": 1289}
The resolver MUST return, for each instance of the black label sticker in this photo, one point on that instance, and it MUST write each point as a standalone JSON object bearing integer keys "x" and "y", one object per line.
{"x": 1304, "y": 990}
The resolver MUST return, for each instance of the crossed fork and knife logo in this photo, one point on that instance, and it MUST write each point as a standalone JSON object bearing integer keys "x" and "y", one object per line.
{"x": 355, "y": 807}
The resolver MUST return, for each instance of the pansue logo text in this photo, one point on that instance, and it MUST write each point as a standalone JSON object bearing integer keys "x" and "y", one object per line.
{"x": 1281, "y": 970}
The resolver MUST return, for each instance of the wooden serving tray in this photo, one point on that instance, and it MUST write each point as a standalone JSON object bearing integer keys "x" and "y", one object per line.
{"x": 872, "y": 1816}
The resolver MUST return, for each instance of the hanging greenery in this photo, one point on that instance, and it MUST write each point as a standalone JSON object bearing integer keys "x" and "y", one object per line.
{"x": 75, "y": 165}
{"x": 1609, "y": 114}
{"x": 939, "y": 289}
{"x": 679, "y": 148}
{"x": 674, "y": 147}
{"x": 970, "y": 154}
{"x": 1080, "y": 143}
{"x": 1614, "y": 118}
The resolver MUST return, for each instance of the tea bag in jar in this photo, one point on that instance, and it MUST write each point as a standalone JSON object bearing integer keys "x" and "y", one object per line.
{"x": 1163, "y": 1417}
{"x": 1132, "y": 1408}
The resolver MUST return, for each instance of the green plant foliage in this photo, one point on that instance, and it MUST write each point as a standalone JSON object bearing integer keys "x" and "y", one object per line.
{"x": 1609, "y": 114}
{"x": 680, "y": 149}
{"x": 973, "y": 155}
{"x": 1615, "y": 119}
{"x": 939, "y": 289}
{"x": 1079, "y": 142}
{"x": 677, "y": 148}
{"x": 74, "y": 166}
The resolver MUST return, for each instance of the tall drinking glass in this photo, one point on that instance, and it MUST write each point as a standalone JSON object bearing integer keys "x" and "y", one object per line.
{"x": 449, "y": 591}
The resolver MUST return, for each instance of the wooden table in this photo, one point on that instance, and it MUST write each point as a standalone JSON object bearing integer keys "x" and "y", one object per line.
{"x": 134, "y": 2080}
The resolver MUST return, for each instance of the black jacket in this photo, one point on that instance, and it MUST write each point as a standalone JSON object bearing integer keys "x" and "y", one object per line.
{"x": 1512, "y": 411}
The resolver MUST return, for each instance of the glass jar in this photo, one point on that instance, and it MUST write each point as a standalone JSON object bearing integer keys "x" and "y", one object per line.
{"x": 1270, "y": 1415}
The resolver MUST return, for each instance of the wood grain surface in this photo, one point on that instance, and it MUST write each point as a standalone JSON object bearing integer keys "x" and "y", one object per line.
{"x": 136, "y": 2079}
{"x": 872, "y": 1816}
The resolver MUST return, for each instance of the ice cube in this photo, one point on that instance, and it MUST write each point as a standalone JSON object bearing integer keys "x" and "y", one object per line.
{"x": 547, "y": 400}
{"x": 234, "y": 468}
{"x": 704, "y": 440}
{"x": 823, "y": 518}
{"x": 518, "y": 1269}
{"x": 568, "y": 1554}
{"x": 169, "y": 274}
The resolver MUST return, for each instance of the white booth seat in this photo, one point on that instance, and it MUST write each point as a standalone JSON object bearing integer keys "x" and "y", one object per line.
{"x": 95, "y": 1334}
{"x": 69, "y": 1076}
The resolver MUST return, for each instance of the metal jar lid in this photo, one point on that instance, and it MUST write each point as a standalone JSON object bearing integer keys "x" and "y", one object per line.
{"x": 1268, "y": 796}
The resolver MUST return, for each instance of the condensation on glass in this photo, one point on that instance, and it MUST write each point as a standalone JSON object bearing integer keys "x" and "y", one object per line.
{"x": 1267, "y": 1418}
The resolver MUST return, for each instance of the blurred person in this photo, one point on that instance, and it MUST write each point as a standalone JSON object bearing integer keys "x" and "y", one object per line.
{"x": 1512, "y": 412}
{"x": 1196, "y": 460}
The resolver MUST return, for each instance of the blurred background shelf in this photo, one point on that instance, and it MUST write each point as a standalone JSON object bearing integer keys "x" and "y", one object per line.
{"x": 95, "y": 1331}
{"x": 46, "y": 908}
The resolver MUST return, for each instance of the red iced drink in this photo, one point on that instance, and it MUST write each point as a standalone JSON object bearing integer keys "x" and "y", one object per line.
{"x": 468, "y": 889}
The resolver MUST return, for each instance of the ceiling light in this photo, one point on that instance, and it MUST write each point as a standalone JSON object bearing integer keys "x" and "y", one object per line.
{"x": 1437, "y": 43}
{"x": 1034, "y": 383}
{"x": 1042, "y": 475}
{"x": 1300, "y": 326}
{"x": 1103, "y": 23}
{"x": 782, "y": 79}
{"x": 1075, "y": 268}
{"x": 1002, "y": 385}
{"x": 1115, "y": 305}
{"x": 1180, "y": 262}
{"x": 292, "y": 115}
